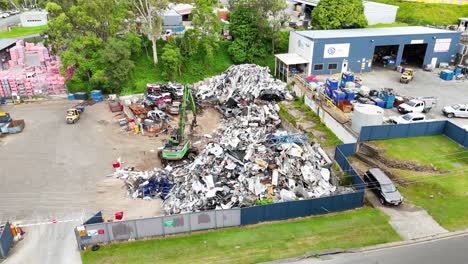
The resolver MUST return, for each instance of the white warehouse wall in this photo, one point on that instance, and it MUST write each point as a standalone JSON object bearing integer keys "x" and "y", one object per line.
{"x": 33, "y": 18}
{"x": 377, "y": 13}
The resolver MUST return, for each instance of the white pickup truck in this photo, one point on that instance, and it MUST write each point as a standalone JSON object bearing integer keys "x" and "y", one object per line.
{"x": 408, "y": 118}
{"x": 418, "y": 105}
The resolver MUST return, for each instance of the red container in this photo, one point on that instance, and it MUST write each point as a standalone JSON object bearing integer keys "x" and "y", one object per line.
{"x": 116, "y": 165}
{"x": 119, "y": 215}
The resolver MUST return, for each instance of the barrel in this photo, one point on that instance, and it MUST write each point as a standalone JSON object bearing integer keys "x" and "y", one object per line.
{"x": 71, "y": 97}
{"x": 96, "y": 96}
{"x": 81, "y": 96}
{"x": 96, "y": 93}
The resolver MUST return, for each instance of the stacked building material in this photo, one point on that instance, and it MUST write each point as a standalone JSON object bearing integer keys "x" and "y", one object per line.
{"x": 26, "y": 78}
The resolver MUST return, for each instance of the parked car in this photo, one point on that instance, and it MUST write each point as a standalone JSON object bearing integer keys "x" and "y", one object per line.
{"x": 14, "y": 12}
{"x": 383, "y": 187}
{"x": 418, "y": 105}
{"x": 175, "y": 108}
{"x": 408, "y": 118}
{"x": 4, "y": 15}
{"x": 271, "y": 95}
{"x": 458, "y": 110}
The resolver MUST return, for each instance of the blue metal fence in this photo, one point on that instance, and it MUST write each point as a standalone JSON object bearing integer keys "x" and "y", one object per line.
{"x": 444, "y": 127}
{"x": 6, "y": 239}
{"x": 401, "y": 131}
{"x": 294, "y": 209}
{"x": 341, "y": 153}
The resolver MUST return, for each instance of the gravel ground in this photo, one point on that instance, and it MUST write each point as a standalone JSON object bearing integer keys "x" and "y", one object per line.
{"x": 57, "y": 171}
{"x": 424, "y": 84}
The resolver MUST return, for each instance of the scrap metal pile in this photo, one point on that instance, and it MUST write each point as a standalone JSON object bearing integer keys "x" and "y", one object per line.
{"x": 240, "y": 166}
{"x": 248, "y": 159}
{"x": 245, "y": 81}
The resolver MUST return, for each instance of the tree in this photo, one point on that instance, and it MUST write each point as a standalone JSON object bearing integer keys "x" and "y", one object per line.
{"x": 59, "y": 28}
{"x": 151, "y": 11}
{"x": 273, "y": 12}
{"x": 172, "y": 61}
{"x": 336, "y": 14}
{"x": 115, "y": 61}
{"x": 244, "y": 26}
{"x": 189, "y": 43}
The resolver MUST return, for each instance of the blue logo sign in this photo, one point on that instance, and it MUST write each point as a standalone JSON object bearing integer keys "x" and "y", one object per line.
{"x": 331, "y": 51}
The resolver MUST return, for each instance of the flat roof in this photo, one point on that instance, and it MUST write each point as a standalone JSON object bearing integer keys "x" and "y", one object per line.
{"x": 371, "y": 32}
{"x": 291, "y": 59}
{"x": 5, "y": 43}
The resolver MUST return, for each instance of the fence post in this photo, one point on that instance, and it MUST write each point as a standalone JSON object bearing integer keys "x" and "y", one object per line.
{"x": 107, "y": 232}
{"x": 190, "y": 222}
{"x": 163, "y": 228}
{"x": 136, "y": 229}
{"x": 216, "y": 219}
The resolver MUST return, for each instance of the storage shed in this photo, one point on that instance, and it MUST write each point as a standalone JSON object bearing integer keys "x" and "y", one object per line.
{"x": 360, "y": 50}
{"x": 172, "y": 18}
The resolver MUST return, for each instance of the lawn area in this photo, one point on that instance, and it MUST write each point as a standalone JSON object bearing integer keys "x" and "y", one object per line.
{"x": 257, "y": 243}
{"x": 396, "y": 24}
{"x": 423, "y": 14}
{"x": 449, "y": 192}
{"x": 22, "y": 31}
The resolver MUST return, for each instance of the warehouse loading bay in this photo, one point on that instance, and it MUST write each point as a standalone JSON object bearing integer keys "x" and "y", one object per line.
{"x": 413, "y": 56}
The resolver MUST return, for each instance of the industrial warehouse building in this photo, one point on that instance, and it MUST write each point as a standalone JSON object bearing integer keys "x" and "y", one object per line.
{"x": 359, "y": 50}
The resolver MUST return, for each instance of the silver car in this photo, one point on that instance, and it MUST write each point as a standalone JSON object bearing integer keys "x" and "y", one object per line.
{"x": 458, "y": 110}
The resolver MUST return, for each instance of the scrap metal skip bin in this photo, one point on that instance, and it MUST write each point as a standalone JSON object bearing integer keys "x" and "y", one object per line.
{"x": 16, "y": 126}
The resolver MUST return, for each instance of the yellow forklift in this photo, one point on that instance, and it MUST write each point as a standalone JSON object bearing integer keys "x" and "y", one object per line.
{"x": 407, "y": 76}
{"x": 74, "y": 114}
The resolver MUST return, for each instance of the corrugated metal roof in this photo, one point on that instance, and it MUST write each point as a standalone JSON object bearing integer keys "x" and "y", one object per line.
{"x": 5, "y": 43}
{"x": 291, "y": 59}
{"x": 371, "y": 32}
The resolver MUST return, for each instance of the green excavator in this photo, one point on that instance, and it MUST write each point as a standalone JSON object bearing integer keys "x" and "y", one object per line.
{"x": 179, "y": 146}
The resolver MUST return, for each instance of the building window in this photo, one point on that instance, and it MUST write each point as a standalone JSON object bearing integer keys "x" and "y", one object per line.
{"x": 318, "y": 67}
{"x": 332, "y": 66}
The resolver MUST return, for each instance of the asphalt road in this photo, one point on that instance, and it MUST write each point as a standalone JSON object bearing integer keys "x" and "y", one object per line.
{"x": 449, "y": 250}
{"x": 9, "y": 21}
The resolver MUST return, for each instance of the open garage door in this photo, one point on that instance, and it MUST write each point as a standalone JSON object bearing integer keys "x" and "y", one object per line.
{"x": 413, "y": 55}
{"x": 385, "y": 56}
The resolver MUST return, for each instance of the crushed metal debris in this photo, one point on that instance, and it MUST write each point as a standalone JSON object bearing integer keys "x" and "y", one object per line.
{"x": 241, "y": 163}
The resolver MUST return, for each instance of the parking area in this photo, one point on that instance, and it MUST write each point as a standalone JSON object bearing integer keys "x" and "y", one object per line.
{"x": 424, "y": 84}
{"x": 55, "y": 170}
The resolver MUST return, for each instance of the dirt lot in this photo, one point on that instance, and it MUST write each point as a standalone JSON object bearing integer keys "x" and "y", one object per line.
{"x": 57, "y": 171}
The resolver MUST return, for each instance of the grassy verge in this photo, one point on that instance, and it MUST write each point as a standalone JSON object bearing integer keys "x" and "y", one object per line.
{"x": 22, "y": 31}
{"x": 423, "y": 14}
{"x": 193, "y": 70}
{"x": 284, "y": 114}
{"x": 396, "y": 24}
{"x": 329, "y": 138}
{"x": 254, "y": 244}
{"x": 444, "y": 196}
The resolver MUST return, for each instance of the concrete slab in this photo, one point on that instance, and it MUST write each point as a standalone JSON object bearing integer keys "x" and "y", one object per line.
{"x": 409, "y": 221}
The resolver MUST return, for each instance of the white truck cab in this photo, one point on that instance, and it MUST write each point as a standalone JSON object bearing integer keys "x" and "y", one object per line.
{"x": 408, "y": 118}
{"x": 418, "y": 105}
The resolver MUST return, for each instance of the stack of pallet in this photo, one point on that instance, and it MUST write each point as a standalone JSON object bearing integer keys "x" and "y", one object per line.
{"x": 27, "y": 77}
